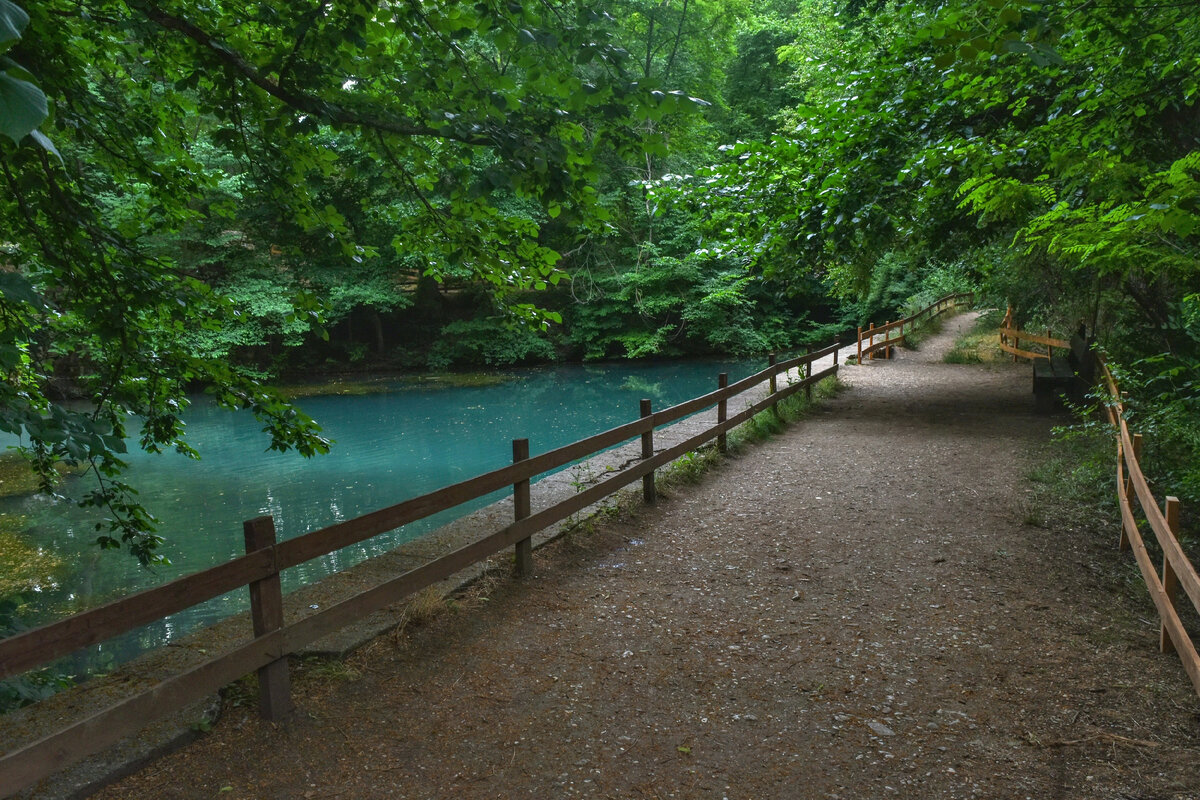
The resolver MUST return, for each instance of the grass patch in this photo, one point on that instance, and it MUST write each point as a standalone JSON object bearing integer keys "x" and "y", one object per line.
{"x": 689, "y": 468}
{"x": 766, "y": 424}
{"x": 1074, "y": 481}
{"x": 918, "y": 337}
{"x": 981, "y": 345}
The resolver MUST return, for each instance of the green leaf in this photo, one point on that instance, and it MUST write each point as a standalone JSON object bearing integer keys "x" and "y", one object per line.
{"x": 13, "y": 20}
{"x": 23, "y": 106}
{"x": 16, "y": 288}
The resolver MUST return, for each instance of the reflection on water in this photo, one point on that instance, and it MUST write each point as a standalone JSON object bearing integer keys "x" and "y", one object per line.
{"x": 412, "y": 439}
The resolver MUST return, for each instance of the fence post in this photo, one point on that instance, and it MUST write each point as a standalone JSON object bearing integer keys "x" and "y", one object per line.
{"x": 771, "y": 363}
{"x": 1170, "y": 580}
{"x": 648, "y": 492}
{"x": 524, "y": 554}
{"x": 1135, "y": 457}
{"x": 887, "y": 334}
{"x": 859, "y": 344}
{"x": 808, "y": 371}
{"x": 871, "y": 339}
{"x": 266, "y": 612}
{"x": 1049, "y": 347}
{"x": 722, "y": 408}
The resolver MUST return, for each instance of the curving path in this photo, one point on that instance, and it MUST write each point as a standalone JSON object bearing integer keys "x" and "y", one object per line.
{"x": 853, "y": 609}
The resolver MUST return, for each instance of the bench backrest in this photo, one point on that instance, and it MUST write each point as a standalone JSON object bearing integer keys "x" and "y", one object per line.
{"x": 1083, "y": 361}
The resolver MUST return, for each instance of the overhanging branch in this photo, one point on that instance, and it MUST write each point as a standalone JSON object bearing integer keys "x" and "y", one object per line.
{"x": 334, "y": 113}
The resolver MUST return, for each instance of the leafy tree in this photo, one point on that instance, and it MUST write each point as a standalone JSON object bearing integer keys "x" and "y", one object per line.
{"x": 173, "y": 120}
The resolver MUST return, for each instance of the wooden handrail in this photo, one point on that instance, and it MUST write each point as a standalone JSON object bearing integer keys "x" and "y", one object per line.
{"x": 22, "y": 767}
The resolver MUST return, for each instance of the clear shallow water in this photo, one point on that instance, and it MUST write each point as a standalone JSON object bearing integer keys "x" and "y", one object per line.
{"x": 414, "y": 438}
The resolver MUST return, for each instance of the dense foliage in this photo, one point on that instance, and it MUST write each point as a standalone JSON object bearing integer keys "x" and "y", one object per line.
{"x": 213, "y": 196}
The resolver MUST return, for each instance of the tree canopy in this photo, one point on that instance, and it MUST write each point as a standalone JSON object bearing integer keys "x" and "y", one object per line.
{"x": 194, "y": 191}
{"x": 433, "y": 137}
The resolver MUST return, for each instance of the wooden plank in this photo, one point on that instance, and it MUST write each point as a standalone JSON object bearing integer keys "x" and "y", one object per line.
{"x": 1169, "y": 581}
{"x": 32, "y": 648}
{"x": 25, "y": 766}
{"x": 649, "y": 493}
{"x": 883, "y": 343}
{"x": 266, "y": 613}
{"x": 1016, "y": 351}
{"x": 29, "y": 649}
{"x": 521, "y": 508}
{"x": 722, "y": 413}
{"x": 1049, "y": 341}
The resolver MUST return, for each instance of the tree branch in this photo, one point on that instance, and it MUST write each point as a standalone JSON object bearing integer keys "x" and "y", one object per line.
{"x": 300, "y": 101}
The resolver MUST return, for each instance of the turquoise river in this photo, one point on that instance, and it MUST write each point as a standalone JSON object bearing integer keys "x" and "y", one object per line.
{"x": 410, "y": 438}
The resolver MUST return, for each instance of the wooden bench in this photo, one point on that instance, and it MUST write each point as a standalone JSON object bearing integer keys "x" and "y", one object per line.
{"x": 1070, "y": 375}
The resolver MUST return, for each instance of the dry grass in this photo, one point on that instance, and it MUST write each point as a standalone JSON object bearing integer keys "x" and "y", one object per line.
{"x": 981, "y": 345}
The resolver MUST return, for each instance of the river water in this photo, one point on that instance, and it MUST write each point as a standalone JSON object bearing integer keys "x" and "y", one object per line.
{"x": 408, "y": 439}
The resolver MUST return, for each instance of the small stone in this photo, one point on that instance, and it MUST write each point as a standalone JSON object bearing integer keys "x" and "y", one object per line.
{"x": 880, "y": 728}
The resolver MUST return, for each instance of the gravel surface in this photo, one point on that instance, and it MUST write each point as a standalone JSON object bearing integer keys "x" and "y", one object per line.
{"x": 854, "y": 608}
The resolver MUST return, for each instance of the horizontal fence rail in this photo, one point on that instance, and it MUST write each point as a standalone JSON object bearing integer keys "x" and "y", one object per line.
{"x": 259, "y": 570}
{"x": 1011, "y": 339}
{"x": 894, "y": 333}
{"x": 1177, "y": 571}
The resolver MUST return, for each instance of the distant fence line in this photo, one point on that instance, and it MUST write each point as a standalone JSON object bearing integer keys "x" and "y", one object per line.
{"x": 872, "y": 339}
{"x": 1177, "y": 571}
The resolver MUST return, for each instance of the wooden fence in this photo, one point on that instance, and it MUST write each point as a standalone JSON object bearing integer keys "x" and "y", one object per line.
{"x": 893, "y": 333}
{"x": 1177, "y": 571}
{"x": 1011, "y": 339}
{"x": 265, "y": 558}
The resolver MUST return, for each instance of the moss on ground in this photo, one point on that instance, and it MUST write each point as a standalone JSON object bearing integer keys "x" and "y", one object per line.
{"x": 23, "y": 566}
{"x": 17, "y": 476}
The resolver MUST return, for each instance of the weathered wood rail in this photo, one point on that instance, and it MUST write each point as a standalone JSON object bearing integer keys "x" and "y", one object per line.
{"x": 872, "y": 339}
{"x": 259, "y": 569}
{"x": 1163, "y": 519}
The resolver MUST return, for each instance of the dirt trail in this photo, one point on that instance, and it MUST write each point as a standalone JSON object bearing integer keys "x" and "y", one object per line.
{"x": 853, "y": 609}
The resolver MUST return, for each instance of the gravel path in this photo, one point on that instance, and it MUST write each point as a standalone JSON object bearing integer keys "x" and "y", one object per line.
{"x": 854, "y": 608}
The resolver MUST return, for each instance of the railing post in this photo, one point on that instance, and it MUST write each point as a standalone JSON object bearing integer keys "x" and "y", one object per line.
{"x": 524, "y": 553}
{"x": 859, "y": 344}
{"x": 871, "y": 339}
{"x": 648, "y": 492}
{"x": 808, "y": 371}
{"x": 1135, "y": 457}
{"x": 1170, "y": 580}
{"x": 266, "y": 612}
{"x": 722, "y": 410}
{"x": 771, "y": 363}
{"x": 1049, "y": 347}
{"x": 887, "y": 334}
